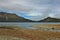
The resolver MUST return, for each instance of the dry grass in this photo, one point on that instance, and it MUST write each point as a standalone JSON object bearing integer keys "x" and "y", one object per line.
{"x": 4, "y": 37}
{"x": 56, "y": 26}
{"x": 28, "y": 34}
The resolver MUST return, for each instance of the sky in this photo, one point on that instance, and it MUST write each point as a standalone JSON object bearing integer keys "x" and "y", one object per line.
{"x": 32, "y": 9}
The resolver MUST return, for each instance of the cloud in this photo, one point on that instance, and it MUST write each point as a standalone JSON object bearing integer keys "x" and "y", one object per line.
{"x": 55, "y": 12}
{"x": 35, "y": 9}
{"x": 14, "y": 5}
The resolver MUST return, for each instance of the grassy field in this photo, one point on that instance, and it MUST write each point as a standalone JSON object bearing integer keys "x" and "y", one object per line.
{"x": 18, "y": 33}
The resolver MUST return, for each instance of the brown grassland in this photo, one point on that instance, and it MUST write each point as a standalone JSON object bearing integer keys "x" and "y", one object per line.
{"x": 29, "y": 34}
{"x": 56, "y": 26}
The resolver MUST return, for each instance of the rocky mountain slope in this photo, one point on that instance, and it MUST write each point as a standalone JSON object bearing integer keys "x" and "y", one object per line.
{"x": 8, "y": 17}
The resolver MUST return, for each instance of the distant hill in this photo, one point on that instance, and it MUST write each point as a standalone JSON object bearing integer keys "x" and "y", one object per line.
{"x": 49, "y": 19}
{"x": 8, "y": 17}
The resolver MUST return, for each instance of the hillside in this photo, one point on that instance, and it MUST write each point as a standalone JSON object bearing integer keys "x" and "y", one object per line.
{"x": 49, "y": 19}
{"x": 8, "y": 17}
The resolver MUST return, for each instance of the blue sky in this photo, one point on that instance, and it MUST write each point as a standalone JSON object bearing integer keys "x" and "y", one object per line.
{"x": 32, "y": 9}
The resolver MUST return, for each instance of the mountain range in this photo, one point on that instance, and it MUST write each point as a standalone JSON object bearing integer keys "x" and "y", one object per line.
{"x": 9, "y": 17}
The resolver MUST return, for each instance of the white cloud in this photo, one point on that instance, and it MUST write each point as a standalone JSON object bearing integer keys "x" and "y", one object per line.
{"x": 55, "y": 12}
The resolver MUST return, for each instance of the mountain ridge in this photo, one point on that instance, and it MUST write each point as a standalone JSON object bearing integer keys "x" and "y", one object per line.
{"x": 49, "y": 19}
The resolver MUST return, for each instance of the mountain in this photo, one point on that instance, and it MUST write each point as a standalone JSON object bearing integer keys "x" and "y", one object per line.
{"x": 49, "y": 19}
{"x": 8, "y": 17}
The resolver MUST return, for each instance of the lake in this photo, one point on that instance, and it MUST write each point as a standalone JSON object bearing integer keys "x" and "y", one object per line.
{"x": 24, "y": 24}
